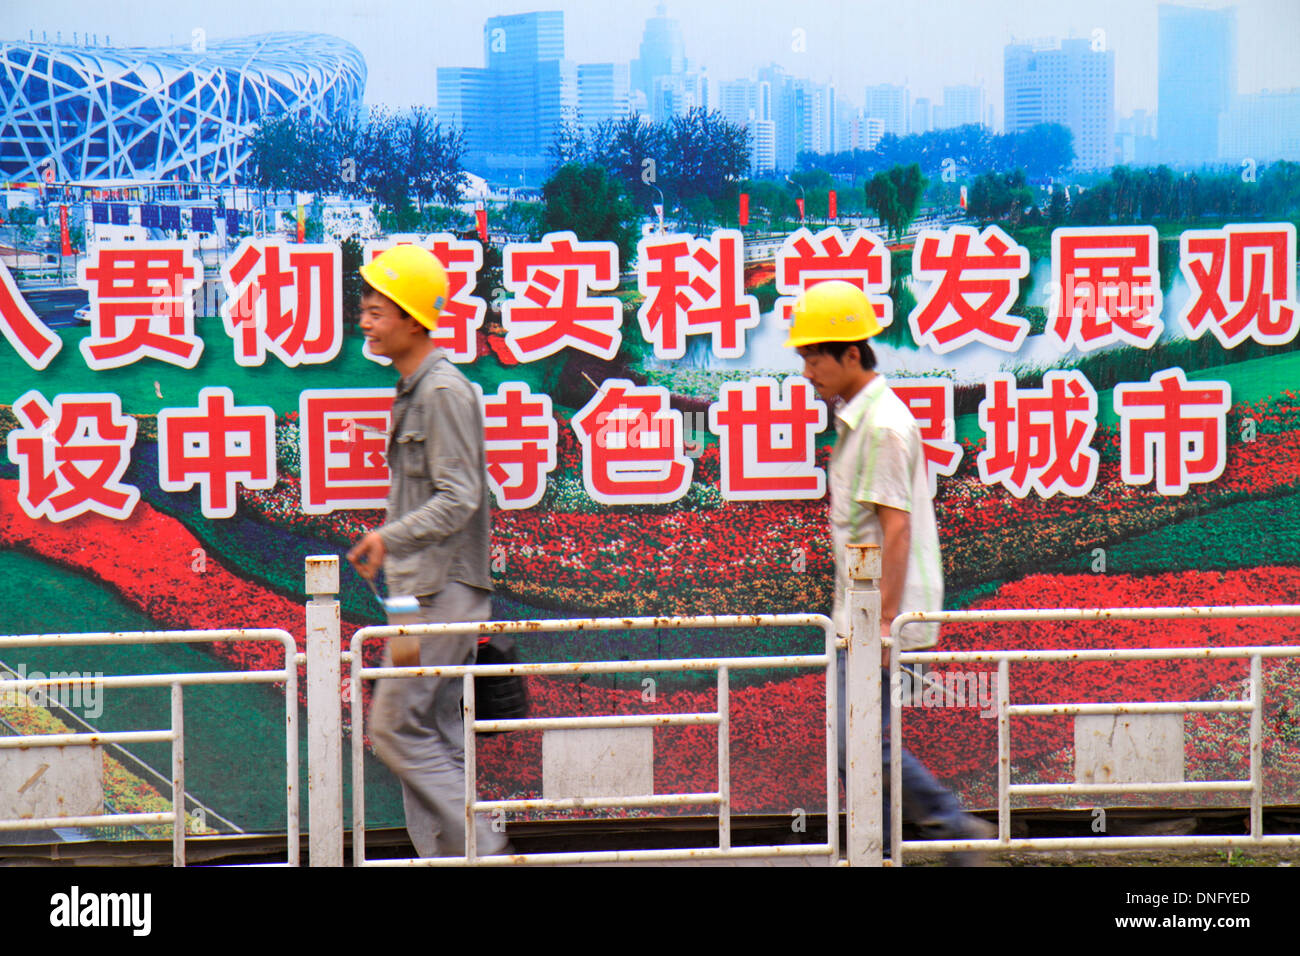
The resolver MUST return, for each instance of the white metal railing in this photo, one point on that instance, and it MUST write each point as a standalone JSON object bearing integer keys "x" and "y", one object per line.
{"x": 175, "y": 734}
{"x": 1006, "y": 710}
{"x": 721, "y": 798}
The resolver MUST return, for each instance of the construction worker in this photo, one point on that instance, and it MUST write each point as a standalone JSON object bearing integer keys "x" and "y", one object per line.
{"x": 433, "y": 545}
{"x": 879, "y": 495}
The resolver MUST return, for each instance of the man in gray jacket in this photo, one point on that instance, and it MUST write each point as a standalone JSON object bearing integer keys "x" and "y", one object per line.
{"x": 434, "y": 545}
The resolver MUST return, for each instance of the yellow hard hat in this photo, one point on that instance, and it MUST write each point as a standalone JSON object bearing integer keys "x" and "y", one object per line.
{"x": 832, "y": 311}
{"x": 413, "y": 278}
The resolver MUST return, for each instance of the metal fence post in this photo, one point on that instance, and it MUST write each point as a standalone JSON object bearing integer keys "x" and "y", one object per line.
{"x": 862, "y": 703}
{"x": 324, "y": 714}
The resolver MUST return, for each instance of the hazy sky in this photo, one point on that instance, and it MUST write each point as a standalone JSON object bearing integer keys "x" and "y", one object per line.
{"x": 926, "y": 44}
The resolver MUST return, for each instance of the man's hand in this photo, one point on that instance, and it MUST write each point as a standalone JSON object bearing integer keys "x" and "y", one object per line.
{"x": 368, "y": 555}
{"x": 884, "y": 651}
{"x": 405, "y": 650}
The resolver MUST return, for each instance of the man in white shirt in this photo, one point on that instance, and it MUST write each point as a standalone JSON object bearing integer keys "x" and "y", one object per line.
{"x": 880, "y": 496}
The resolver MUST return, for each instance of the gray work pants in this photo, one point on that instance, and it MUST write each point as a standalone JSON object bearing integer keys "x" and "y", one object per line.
{"x": 418, "y": 729}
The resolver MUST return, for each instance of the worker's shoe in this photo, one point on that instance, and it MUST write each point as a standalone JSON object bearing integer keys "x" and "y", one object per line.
{"x": 972, "y": 828}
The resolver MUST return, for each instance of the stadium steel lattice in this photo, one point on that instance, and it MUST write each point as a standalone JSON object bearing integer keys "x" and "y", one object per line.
{"x": 164, "y": 113}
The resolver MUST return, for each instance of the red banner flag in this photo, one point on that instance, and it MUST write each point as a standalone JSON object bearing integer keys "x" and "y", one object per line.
{"x": 63, "y": 231}
{"x": 480, "y": 217}
{"x": 744, "y": 209}
{"x": 799, "y": 202}
{"x": 830, "y": 204}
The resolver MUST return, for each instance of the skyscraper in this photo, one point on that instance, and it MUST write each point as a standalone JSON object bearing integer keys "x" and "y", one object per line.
{"x": 662, "y": 76}
{"x": 922, "y": 115}
{"x": 962, "y": 106}
{"x": 748, "y": 103}
{"x": 1197, "y": 80}
{"x": 889, "y": 104}
{"x": 1261, "y": 127}
{"x": 603, "y": 93}
{"x": 662, "y": 52}
{"x": 512, "y": 108}
{"x": 1065, "y": 82}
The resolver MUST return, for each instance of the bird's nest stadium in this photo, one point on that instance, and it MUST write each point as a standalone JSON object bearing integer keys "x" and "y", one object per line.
{"x": 163, "y": 113}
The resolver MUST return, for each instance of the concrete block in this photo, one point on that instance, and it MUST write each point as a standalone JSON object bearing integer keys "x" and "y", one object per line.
{"x": 1128, "y": 748}
{"x": 51, "y": 782}
{"x": 604, "y": 762}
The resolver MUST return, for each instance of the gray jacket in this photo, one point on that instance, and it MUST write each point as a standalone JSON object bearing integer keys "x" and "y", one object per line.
{"x": 438, "y": 524}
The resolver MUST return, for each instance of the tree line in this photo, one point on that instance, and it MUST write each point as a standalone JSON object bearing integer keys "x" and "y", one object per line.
{"x": 401, "y": 160}
{"x": 1043, "y": 151}
{"x": 1144, "y": 195}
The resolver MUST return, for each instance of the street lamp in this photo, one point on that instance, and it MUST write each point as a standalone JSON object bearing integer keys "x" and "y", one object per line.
{"x": 802, "y": 198}
{"x": 659, "y": 209}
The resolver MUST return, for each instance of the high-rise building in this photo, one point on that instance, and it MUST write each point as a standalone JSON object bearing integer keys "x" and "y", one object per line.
{"x": 662, "y": 77}
{"x": 1261, "y": 127}
{"x": 1135, "y": 141}
{"x": 922, "y": 115}
{"x": 762, "y": 146}
{"x": 814, "y": 110}
{"x": 889, "y": 104}
{"x": 511, "y": 110}
{"x": 1197, "y": 77}
{"x": 1065, "y": 82}
{"x": 858, "y": 131}
{"x": 962, "y": 106}
{"x": 603, "y": 93}
{"x": 748, "y": 103}
{"x": 782, "y": 112}
{"x": 662, "y": 52}
{"x": 803, "y": 114}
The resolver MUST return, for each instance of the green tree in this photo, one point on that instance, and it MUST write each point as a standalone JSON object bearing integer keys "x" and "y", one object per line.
{"x": 592, "y": 204}
{"x": 1000, "y": 196}
{"x": 895, "y": 197}
{"x": 429, "y": 156}
{"x": 706, "y": 156}
{"x": 1043, "y": 151}
{"x": 1057, "y": 208}
{"x": 570, "y": 143}
{"x": 401, "y": 160}
{"x": 631, "y": 149}
{"x": 770, "y": 204}
{"x": 522, "y": 219}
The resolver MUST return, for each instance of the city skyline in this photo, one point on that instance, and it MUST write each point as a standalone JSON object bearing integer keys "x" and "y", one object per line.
{"x": 932, "y": 44}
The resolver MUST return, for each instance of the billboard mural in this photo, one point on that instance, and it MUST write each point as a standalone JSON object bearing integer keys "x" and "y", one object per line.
{"x": 1095, "y": 331}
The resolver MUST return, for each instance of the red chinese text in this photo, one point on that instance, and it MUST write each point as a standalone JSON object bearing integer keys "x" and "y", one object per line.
{"x": 71, "y": 458}
{"x": 216, "y": 446}
{"x": 343, "y": 445}
{"x": 973, "y": 279}
{"x": 551, "y": 308}
{"x": 632, "y": 446}
{"x": 142, "y": 303}
{"x": 1038, "y": 437}
{"x": 286, "y": 299}
{"x": 1171, "y": 432}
